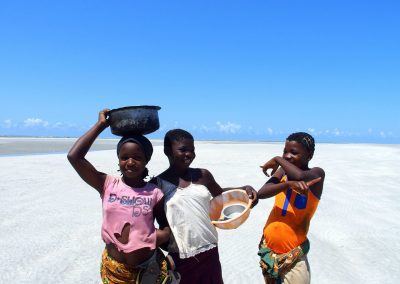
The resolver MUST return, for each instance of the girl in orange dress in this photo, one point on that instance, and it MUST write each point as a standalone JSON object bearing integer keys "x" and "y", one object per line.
{"x": 297, "y": 189}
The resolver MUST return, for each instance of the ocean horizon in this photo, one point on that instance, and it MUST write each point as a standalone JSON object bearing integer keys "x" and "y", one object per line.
{"x": 34, "y": 145}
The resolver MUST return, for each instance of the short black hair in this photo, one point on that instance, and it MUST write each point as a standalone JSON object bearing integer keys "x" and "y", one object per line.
{"x": 176, "y": 135}
{"x": 141, "y": 140}
{"x": 304, "y": 139}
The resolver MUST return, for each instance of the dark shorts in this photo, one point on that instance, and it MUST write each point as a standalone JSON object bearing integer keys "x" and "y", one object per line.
{"x": 203, "y": 268}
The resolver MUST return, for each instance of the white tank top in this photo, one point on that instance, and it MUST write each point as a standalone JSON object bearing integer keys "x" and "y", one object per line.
{"x": 187, "y": 211}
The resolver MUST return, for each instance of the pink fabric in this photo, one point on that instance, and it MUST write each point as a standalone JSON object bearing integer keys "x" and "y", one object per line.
{"x": 122, "y": 205}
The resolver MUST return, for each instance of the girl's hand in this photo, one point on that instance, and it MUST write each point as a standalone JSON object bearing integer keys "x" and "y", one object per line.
{"x": 252, "y": 193}
{"x": 302, "y": 187}
{"x": 271, "y": 164}
{"x": 103, "y": 117}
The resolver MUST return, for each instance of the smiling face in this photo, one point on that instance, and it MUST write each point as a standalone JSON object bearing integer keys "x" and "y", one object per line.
{"x": 132, "y": 161}
{"x": 295, "y": 153}
{"x": 181, "y": 154}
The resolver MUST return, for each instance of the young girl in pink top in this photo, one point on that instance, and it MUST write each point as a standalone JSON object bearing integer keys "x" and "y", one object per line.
{"x": 130, "y": 206}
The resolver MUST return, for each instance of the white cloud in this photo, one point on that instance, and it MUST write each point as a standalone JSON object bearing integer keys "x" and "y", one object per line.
{"x": 204, "y": 128}
{"x": 337, "y": 132}
{"x": 270, "y": 131}
{"x": 58, "y": 125}
{"x": 32, "y": 122}
{"x": 228, "y": 127}
{"x": 7, "y": 123}
{"x": 63, "y": 125}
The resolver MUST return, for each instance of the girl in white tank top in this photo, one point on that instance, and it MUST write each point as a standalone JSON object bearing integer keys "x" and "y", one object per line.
{"x": 187, "y": 193}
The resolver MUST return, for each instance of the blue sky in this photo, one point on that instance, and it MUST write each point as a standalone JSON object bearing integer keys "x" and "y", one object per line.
{"x": 225, "y": 70}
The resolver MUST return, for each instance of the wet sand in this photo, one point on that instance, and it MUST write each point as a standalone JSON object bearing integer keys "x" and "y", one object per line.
{"x": 10, "y": 146}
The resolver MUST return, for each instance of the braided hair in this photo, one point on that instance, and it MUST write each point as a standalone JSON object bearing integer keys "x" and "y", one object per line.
{"x": 304, "y": 139}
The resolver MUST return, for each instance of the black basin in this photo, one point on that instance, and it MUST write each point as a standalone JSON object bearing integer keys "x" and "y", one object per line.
{"x": 134, "y": 120}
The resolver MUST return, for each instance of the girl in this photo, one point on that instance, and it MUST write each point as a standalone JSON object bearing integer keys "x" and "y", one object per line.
{"x": 193, "y": 245}
{"x": 297, "y": 190}
{"x": 129, "y": 207}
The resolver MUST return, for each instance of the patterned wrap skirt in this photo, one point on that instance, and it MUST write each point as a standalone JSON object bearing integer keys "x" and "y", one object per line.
{"x": 114, "y": 272}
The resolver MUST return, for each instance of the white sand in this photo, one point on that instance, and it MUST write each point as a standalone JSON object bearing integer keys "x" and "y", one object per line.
{"x": 50, "y": 219}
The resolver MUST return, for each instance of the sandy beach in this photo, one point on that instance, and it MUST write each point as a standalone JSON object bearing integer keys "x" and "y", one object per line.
{"x": 50, "y": 219}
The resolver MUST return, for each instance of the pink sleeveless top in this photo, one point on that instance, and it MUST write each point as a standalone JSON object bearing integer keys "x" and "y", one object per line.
{"x": 123, "y": 205}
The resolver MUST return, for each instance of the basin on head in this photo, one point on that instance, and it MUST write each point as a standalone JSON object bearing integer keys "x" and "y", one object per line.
{"x": 134, "y": 120}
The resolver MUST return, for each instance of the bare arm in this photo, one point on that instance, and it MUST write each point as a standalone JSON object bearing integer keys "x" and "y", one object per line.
{"x": 273, "y": 186}
{"x": 76, "y": 155}
{"x": 293, "y": 172}
{"x": 209, "y": 181}
{"x": 216, "y": 189}
{"x": 163, "y": 232}
{"x": 251, "y": 192}
{"x": 299, "y": 180}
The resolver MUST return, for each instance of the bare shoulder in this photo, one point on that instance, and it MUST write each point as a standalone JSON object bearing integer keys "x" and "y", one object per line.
{"x": 207, "y": 179}
{"x": 317, "y": 188}
{"x": 200, "y": 175}
{"x": 205, "y": 172}
{"x": 318, "y": 172}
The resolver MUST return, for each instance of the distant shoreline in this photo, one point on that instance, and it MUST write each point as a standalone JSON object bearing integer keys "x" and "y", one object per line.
{"x": 24, "y": 145}
{"x": 116, "y": 138}
{"x": 16, "y": 146}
